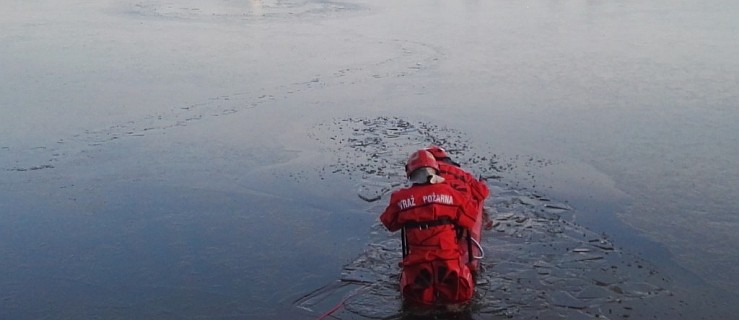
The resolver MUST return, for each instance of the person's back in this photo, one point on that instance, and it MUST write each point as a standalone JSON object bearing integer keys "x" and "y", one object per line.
{"x": 459, "y": 178}
{"x": 429, "y": 212}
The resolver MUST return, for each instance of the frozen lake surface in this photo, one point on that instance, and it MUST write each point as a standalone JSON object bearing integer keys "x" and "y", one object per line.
{"x": 211, "y": 159}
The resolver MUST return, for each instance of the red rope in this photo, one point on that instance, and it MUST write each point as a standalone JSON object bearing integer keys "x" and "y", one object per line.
{"x": 334, "y": 309}
{"x": 340, "y": 304}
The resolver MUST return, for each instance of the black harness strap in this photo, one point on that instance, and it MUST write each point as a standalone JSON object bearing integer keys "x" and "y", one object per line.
{"x": 427, "y": 224}
{"x": 469, "y": 246}
{"x": 403, "y": 242}
{"x": 419, "y": 225}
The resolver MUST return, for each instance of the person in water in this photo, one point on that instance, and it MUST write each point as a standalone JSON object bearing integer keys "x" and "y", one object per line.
{"x": 429, "y": 212}
{"x": 461, "y": 179}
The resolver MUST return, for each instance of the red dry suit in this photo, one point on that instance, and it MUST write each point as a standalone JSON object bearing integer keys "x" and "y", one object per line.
{"x": 463, "y": 181}
{"x": 433, "y": 270}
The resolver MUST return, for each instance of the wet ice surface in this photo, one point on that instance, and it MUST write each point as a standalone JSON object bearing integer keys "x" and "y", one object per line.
{"x": 240, "y": 10}
{"x": 138, "y": 89}
{"x": 538, "y": 265}
{"x": 391, "y": 58}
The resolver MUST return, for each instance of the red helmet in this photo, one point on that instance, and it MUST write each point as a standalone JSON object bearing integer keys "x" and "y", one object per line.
{"x": 438, "y": 152}
{"x": 420, "y": 159}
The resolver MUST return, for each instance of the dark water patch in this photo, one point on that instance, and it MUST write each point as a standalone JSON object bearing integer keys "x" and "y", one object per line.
{"x": 34, "y": 168}
{"x": 539, "y": 262}
{"x": 126, "y": 251}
